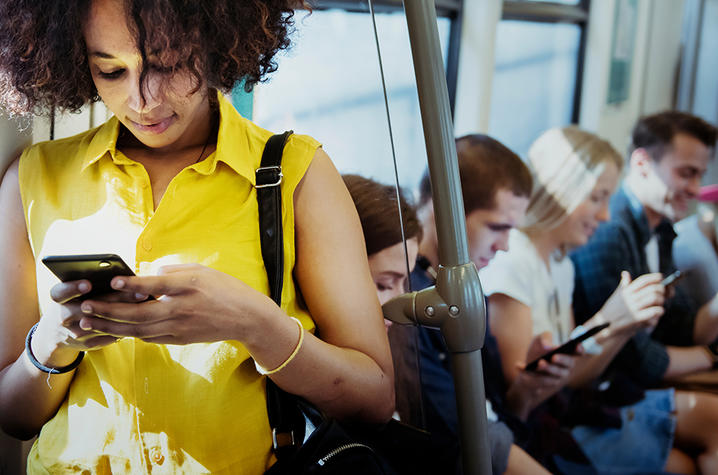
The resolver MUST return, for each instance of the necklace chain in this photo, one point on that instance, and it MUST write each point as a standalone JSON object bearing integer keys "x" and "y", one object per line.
{"x": 204, "y": 147}
{"x": 209, "y": 135}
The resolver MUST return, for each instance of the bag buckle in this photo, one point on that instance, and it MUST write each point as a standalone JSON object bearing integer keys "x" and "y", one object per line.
{"x": 282, "y": 439}
{"x": 272, "y": 169}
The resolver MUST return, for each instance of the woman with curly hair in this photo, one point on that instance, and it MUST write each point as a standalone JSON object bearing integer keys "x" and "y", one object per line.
{"x": 175, "y": 383}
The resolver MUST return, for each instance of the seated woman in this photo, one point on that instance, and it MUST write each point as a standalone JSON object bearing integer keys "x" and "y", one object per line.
{"x": 390, "y": 264}
{"x": 120, "y": 383}
{"x": 530, "y": 292}
{"x": 390, "y": 267}
{"x": 386, "y": 234}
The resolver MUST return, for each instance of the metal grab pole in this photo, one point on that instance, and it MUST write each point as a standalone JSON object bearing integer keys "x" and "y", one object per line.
{"x": 458, "y": 282}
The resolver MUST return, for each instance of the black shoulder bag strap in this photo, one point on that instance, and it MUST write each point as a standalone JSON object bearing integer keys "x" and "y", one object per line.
{"x": 269, "y": 198}
{"x": 286, "y": 412}
{"x": 282, "y": 419}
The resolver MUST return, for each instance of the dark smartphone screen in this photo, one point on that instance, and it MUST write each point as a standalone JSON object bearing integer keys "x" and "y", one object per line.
{"x": 99, "y": 269}
{"x": 567, "y": 348}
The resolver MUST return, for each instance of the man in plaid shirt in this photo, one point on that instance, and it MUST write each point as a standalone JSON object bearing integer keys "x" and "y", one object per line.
{"x": 670, "y": 154}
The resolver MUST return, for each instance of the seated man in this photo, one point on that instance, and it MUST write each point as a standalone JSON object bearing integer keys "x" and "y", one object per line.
{"x": 496, "y": 186}
{"x": 379, "y": 215}
{"x": 670, "y": 154}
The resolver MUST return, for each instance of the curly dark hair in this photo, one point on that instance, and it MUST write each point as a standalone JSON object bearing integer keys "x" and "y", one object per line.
{"x": 43, "y": 58}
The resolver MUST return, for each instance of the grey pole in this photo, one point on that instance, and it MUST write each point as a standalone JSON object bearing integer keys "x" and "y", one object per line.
{"x": 464, "y": 324}
{"x": 438, "y": 131}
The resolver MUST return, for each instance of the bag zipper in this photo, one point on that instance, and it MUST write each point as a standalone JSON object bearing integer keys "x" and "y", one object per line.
{"x": 322, "y": 461}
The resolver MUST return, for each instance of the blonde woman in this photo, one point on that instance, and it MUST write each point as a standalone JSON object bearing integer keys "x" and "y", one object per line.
{"x": 530, "y": 292}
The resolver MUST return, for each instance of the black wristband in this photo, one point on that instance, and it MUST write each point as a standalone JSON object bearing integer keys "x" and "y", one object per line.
{"x": 42, "y": 367}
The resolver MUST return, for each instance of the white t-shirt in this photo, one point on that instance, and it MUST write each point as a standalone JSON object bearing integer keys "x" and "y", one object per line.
{"x": 652, "y": 257}
{"x": 522, "y": 275}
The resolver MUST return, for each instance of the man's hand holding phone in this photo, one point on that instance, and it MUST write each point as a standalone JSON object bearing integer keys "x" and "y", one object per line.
{"x": 635, "y": 304}
{"x": 670, "y": 281}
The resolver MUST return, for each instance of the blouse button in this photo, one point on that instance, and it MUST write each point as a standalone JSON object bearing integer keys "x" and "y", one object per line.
{"x": 156, "y": 455}
{"x": 146, "y": 244}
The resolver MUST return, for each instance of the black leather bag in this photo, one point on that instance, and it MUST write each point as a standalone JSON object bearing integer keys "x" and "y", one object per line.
{"x": 328, "y": 449}
{"x": 305, "y": 441}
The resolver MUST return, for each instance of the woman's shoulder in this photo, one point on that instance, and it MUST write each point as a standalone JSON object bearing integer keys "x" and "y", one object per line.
{"x": 63, "y": 152}
{"x": 296, "y": 143}
{"x": 256, "y": 135}
{"x": 297, "y": 155}
{"x": 510, "y": 269}
{"x": 520, "y": 253}
{"x": 240, "y": 136}
{"x": 515, "y": 272}
{"x": 303, "y": 143}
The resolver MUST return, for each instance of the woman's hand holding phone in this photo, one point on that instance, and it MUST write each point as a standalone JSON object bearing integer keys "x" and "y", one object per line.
{"x": 559, "y": 365}
{"x": 194, "y": 304}
{"x": 532, "y": 387}
{"x": 59, "y": 337}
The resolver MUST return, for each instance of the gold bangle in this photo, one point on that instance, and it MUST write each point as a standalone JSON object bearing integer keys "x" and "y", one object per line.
{"x": 266, "y": 372}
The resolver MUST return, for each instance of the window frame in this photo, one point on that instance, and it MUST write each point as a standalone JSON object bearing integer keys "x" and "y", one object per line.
{"x": 451, "y": 9}
{"x": 551, "y": 12}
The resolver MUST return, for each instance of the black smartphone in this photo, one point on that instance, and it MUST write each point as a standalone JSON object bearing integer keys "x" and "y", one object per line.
{"x": 567, "y": 348}
{"x": 672, "y": 278}
{"x": 99, "y": 269}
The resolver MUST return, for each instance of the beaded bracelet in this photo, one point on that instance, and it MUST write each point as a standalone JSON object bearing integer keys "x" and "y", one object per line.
{"x": 42, "y": 367}
{"x": 266, "y": 372}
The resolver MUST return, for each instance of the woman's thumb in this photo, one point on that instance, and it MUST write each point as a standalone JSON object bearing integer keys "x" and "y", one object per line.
{"x": 625, "y": 278}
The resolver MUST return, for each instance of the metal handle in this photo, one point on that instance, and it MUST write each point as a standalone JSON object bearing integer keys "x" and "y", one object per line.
{"x": 458, "y": 282}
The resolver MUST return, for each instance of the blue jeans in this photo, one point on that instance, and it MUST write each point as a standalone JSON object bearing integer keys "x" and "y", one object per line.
{"x": 641, "y": 445}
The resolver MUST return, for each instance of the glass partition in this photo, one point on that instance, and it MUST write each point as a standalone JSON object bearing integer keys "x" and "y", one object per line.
{"x": 331, "y": 89}
{"x": 534, "y": 80}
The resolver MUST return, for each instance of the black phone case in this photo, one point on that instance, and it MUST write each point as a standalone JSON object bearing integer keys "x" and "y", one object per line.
{"x": 99, "y": 269}
{"x": 567, "y": 348}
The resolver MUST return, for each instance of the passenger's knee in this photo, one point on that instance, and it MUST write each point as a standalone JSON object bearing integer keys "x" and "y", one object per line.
{"x": 680, "y": 462}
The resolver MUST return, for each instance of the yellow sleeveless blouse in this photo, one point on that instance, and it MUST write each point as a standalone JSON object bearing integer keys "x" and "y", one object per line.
{"x": 136, "y": 407}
